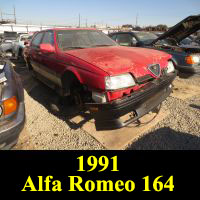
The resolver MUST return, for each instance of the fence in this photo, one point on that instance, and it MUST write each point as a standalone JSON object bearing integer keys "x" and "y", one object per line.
{"x": 21, "y": 28}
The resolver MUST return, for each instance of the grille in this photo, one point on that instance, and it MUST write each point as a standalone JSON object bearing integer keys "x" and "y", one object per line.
{"x": 144, "y": 79}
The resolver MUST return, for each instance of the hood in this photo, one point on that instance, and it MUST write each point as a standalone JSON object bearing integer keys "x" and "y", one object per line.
{"x": 118, "y": 60}
{"x": 182, "y": 30}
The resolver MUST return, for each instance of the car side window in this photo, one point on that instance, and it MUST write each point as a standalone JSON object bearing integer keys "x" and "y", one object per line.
{"x": 48, "y": 38}
{"x": 37, "y": 40}
{"x": 114, "y": 37}
{"x": 124, "y": 39}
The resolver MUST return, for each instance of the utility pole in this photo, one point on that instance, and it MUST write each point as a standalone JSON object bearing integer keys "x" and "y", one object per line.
{"x": 8, "y": 14}
{"x": 86, "y": 23}
{"x": 15, "y": 19}
{"x": 136, "y": 20}
{"x": 1, "y": 15}
{"x": 79, "y": 24}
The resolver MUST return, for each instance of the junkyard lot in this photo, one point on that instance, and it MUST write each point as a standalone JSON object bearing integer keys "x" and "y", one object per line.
{"x": 49, "y": 124}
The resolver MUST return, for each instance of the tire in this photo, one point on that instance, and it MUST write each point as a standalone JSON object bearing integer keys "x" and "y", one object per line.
{"x": 76, "y": 97}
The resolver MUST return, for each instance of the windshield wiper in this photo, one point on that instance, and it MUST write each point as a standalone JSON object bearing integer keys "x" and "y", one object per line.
{"x": 68, "y": 48}
{"x": 102, "y": 45}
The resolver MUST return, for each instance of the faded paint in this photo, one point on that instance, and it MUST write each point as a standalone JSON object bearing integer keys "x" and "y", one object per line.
{"x": 119, "y": 60}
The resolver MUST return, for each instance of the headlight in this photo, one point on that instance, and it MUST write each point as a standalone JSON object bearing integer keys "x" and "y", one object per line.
{"x": 192, "y": 59}
{"x": 119, "y": 82}
{"x": 170, "y": 67}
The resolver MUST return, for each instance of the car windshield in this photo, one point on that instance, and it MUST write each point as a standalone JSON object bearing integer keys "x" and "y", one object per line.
{"x": 78, "y": 39}
{"x": 186, "y": 41}
{"x": 24, "y": 37}
{"x": 30, "y": 37}
{"x": 146, "y": 37}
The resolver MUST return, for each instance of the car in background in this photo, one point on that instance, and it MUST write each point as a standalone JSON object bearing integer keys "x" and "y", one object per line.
{"x": 133, "y": 38}
{"x": 18, "y": 46}
{"x": 26, "y": 45}
{"x": 189, "y": 42}
{"x": 12, "y": 109}
{"x": 197, "y": 40}
{"x": 109, "y": 80}
{"x": 7, "y": 41}
{"x": 186, "y": 58}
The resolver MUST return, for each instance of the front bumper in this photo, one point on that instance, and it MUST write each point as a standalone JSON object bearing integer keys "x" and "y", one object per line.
{"x": 189, "y": 69}
{"x": 9, "y": 133}
{"x": 107, "y": 115}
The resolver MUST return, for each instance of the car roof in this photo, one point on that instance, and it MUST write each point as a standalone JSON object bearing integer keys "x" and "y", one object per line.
{"x": 121, "y": 32}
{"x": 129, "y": 32}
{"x": 62, "y": 29}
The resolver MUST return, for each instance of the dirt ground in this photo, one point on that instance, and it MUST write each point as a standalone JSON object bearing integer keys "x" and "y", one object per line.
{"x": 50, "y": 126}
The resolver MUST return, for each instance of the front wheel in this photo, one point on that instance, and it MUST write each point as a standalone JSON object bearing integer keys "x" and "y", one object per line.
{"x": 76, "y": 97}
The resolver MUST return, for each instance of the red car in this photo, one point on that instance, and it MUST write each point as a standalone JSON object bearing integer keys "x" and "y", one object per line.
{"x": 112, "y": 81}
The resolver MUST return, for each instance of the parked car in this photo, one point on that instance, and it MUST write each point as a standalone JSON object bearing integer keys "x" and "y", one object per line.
{"x": 18, "y": 46}
{"x": 7, "y": 41}
{"x": 185, "y": 58}
{"x": 110, "y": 80}
{"x": 133, "y": 38}
{"x": 12, "y": 109}
{"x": 26, "y": 46}
{"x": 190, "y": 41}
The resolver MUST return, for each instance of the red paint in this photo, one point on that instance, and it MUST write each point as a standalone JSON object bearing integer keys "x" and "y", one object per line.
{"x": 92, "y": 65}
{"x": 119, "y": 60}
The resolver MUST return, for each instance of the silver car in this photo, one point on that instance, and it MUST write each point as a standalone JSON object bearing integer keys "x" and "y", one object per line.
{"x": 18, "y": 46}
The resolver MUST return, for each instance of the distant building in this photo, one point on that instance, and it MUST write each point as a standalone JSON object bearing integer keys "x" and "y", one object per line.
{"x": 4, "y": 21}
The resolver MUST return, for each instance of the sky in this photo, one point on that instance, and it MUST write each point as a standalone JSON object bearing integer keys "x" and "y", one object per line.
{"x": 110, "y": 12}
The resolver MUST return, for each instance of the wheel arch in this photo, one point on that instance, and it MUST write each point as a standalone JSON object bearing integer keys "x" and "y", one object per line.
{"x": 70, "y": 76}
{"x": 174, "y": 61}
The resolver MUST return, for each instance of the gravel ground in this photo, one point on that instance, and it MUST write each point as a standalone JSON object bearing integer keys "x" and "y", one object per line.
{"x": 180, "y": 130}
{"x": 48, "y": 125}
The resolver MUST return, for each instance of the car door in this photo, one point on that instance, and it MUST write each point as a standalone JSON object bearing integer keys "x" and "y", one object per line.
{"x": 49, "y": 62}
{"x": 35, "y": 53}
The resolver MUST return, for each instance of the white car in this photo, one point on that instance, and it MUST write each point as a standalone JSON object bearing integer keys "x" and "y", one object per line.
{"x": 18, "y": 46}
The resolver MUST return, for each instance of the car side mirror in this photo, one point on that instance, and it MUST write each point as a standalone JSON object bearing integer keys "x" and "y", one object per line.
{"x": 47, "y": 48}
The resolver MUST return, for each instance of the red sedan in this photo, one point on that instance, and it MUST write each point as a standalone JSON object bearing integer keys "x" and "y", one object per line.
{"x": 109, "y": 79}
